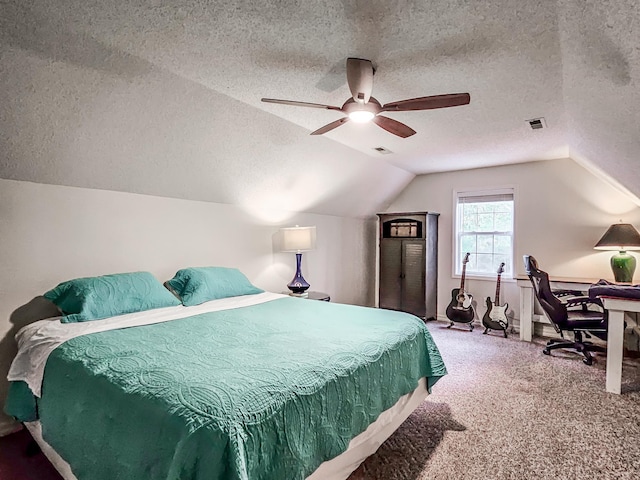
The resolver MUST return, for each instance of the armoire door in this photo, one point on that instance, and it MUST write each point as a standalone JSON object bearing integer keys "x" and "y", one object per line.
{"x": 413, "y": 288}
{"x": 391, "y": 274}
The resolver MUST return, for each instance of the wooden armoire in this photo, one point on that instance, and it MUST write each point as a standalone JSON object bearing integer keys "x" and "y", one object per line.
{"x": 408, "y": 262}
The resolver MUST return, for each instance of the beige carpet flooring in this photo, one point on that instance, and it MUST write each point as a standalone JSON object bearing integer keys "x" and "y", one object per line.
{"x": 506, "y": 411}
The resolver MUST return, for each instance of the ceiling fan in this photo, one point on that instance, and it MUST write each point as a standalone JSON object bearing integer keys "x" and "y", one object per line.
{"x": 362, "y": 107}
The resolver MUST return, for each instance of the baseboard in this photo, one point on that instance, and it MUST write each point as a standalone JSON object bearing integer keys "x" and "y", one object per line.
{"x": 444, "y": 318}
{"x": 8, "y": 426}
{"x": 545, "y": 330}
{"x": 513, "y": 327}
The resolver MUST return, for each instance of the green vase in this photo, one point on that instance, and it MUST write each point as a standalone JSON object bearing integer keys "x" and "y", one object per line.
{"x": 623, "y": 265}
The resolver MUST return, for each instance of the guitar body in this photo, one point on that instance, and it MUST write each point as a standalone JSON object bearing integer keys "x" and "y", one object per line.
{"x": 460, "y": 309}
{"x": 495, "y": 318}
{"x": 457, "y": 311}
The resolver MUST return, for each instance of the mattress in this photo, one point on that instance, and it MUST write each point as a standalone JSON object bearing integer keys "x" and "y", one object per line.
{"x": 272, "y": 389}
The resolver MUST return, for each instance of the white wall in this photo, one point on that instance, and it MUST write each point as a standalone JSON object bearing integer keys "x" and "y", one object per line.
{"x": 561, "y": 211}
{"x": 53, "y": 233}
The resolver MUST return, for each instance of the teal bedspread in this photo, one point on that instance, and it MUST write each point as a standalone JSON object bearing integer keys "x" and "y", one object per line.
{"x": 268, "y": 391}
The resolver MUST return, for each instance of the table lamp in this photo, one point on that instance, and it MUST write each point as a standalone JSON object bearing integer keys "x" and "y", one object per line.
{"x": 298, "y": 239}
{"x": 621, "y": 237}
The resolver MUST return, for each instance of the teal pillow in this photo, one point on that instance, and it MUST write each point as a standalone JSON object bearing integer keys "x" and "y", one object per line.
{"x": 94, "y": 298}
{"x": 198, "y": 285}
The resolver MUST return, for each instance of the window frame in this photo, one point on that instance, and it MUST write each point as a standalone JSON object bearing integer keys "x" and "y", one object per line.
{"x": 456, "y": 270}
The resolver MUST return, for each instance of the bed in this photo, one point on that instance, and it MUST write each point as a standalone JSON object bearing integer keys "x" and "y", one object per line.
{"x": 259, "y": 386}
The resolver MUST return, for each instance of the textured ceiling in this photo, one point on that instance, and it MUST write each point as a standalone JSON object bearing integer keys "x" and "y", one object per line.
{"x": 198, "y": 70}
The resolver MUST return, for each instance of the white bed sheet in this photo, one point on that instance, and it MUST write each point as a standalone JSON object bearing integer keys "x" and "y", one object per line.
{"x": 37, "y": 340}
{"x": 338, "y": 468}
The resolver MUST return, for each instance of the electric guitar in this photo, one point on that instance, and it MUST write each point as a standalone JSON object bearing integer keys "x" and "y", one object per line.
{"x": 495, "y": 317}
{"x": 460, "y": 309}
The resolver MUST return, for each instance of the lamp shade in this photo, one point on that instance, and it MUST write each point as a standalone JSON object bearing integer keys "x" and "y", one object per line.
{"x": 619, "y": 236}
{"x": 298, "y": 239}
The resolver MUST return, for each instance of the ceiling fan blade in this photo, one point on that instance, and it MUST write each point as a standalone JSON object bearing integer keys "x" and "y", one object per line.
{"x": 393, "y": 126}
{"x": 360, "y": 79}
{"x": 300, "y": 104}
{"x": 330, "y": 126}
{"x": 428, "y": 103}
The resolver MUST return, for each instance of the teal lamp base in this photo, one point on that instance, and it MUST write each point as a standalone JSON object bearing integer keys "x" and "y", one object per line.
{"x": 623, "y": 265}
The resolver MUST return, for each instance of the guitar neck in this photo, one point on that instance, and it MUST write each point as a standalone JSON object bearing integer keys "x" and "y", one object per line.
{"x": 464, "y": 270}
{"x": 497, "y": 302}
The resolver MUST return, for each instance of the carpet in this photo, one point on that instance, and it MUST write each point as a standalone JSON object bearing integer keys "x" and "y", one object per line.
{"x": 506, "y": 411}
{"x": 19, "y": 462}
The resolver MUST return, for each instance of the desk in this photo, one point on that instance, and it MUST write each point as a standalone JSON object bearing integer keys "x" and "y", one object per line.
{"x": 615, "y": 338}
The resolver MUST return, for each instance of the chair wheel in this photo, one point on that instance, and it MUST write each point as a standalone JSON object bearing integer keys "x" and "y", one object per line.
{"x": 588, "y": 361}
{"x": 546, "y": 351}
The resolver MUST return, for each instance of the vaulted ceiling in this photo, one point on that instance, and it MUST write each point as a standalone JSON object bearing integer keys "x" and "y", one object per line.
{"x": 163, "y": 97}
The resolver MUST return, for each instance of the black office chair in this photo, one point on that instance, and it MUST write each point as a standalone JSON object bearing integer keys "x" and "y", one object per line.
{"x": 568, "y": 311}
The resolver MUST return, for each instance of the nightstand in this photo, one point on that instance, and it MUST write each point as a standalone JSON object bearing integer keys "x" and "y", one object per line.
{"x": 319, "y": 296}
{"x": 324, "y": 297}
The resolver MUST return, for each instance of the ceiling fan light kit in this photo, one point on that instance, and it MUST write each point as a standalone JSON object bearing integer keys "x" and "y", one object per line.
{"x": 361, "y": 116}
{"x": 362, "y": 107}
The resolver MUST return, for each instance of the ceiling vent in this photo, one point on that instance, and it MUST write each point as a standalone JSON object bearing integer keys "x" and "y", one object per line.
{"x": 382, "y": 150}
{"x": 537, "y": 123}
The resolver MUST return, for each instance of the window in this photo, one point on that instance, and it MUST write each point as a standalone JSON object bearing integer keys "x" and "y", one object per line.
{"x": 484, "y": 228}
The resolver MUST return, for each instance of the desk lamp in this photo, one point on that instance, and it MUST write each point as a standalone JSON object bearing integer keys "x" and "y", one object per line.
{"x": 298, "y": 239}
{"x": 621, "y": 237}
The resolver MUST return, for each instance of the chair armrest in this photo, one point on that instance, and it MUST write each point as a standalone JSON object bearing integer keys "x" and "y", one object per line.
{"x": 564, "y": 293}
{"x": 582, "y": 302}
